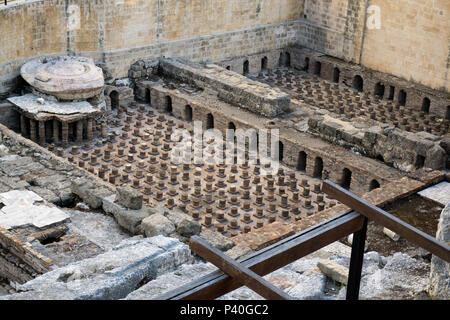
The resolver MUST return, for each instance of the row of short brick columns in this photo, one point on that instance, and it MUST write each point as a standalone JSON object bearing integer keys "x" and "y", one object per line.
{"x": 37, "y": 131}
{"x": 79, "y": 134}
{"x": 90, "y": 124}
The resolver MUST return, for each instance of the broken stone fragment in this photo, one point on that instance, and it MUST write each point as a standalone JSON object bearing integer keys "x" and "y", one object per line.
{"x": 436, "y": 158}
{"x": 22, "y": 208}
{"x": 391, "y": 234}
{"x": 129, "y": 198}
{"x": 334, "y": 271}
{"x": 311, "y": 286}
{"x": 157, "y": 224}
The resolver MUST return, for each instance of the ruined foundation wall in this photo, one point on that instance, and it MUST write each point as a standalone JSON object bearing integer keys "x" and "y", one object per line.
{"x": 18, "y": 261}
{"x": 415, "y": 94}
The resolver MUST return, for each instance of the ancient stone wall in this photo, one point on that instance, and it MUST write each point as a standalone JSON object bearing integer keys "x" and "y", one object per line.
{"x": 408, "y": 39}
{"x": 122, "y": 32}
{"x": 334, "y": 27}
{"x": 413, "y": 42}
{"x": 404, "y": 150}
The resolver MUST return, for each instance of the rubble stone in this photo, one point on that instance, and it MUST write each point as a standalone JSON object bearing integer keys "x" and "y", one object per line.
{"x": 184, "y": 224}
{"x": 157, "y": 224}
{"x": 129, "y": 198}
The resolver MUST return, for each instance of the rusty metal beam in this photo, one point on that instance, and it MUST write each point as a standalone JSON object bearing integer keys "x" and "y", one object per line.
{"x": 236, "y": 270}
{"x": 267, "y": 260}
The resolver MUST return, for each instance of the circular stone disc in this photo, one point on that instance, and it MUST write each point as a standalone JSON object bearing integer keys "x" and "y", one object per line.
{"x": 67, "y": 78}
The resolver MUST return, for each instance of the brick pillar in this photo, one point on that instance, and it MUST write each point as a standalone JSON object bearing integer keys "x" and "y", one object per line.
{"x": 90, "y": 123}
{"x": 33, "y": 130}
{"x": 65, "y": 133}
{"x": 104, "y": 130}
{"x": 23, "y": 125}
{"x": 55, "y": 131}
{"x": 41, "y": 127}
{"x": 79, "y": 135}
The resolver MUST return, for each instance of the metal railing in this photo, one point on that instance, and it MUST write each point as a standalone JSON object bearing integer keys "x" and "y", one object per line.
{"x": 249, "y": 270}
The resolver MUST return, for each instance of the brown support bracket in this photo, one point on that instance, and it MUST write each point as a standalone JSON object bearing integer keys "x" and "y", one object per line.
{"x": 237, "y": 271}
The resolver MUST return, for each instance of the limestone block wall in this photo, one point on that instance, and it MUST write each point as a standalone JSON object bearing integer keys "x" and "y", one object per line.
{"x": 337, "y": 70}
{"x": 334, "y": 27}
{"x": 413, "y": 41}
{"x": 120, "y": 32}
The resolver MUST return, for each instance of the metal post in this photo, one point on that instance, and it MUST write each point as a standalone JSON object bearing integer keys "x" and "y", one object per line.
{"x": 356, "y": 262}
